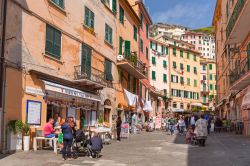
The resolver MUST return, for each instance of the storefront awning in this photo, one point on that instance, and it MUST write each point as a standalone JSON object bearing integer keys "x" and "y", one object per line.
{"x": 246, "y": 101}
{"x": 196, "y": 104}
{"x": 50, "y": 86}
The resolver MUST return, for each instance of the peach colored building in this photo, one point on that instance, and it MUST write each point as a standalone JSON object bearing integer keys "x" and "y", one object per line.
{"x": 233, "y": 60}
{"x": 61, "y": 60}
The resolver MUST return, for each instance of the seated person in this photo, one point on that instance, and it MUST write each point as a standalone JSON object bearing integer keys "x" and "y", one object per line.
{"x": 95, "y": 145}
{"x": 190, "y": 135}
{"x": 48, "y": 129}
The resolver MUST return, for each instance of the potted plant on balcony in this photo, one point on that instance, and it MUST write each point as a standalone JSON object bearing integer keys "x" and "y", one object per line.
{"x": 15, "y": 135}
{"x": 26, "y": 136}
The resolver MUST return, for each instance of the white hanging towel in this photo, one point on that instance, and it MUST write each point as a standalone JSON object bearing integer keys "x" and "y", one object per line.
{"x": 147, "y": 106}
{"x": 131, "y": 98}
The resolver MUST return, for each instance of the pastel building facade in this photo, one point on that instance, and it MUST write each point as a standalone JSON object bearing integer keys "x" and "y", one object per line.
{"x": 232, "y": 30}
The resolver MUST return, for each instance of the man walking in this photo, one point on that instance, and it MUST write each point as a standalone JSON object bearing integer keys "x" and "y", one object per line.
{"x": 172, "y": 123}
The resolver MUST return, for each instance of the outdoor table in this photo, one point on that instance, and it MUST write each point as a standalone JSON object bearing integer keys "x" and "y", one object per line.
{"x": 43, "y": 138}
{"x": 101, "y": 130}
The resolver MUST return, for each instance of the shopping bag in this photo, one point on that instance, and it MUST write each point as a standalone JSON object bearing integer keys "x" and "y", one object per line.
{"x": 60, "y": 138}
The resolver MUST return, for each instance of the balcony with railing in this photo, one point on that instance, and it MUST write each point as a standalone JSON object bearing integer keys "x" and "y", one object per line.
{"x": 240, "y": 76}
{"x": 132, "y": 65}
{"x": 238, "y": 26}
{"x": 89, "y": 77}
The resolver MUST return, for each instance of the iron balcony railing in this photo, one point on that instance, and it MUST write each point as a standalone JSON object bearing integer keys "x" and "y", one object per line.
{"x": 236, "y": 12}
{"x": 240, "y": 70}
{"x": 90, "y": 73}
{"x": 133, "y": 60}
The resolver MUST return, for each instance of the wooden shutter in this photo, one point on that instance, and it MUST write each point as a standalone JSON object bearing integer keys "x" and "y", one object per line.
{"x": 87, "y": 18}
{"x": 166, "y": 50}
{"x": 114, "y": 6}
{"x": 135, "y": 33}
{"x": 92, "y": 20}
{"x": 127, "y": 49}
{"x": 120, "y": 45}
{"x": 57, "y": 43}
{"x": 108, "y": 70}
{"x": 49, "y": 40}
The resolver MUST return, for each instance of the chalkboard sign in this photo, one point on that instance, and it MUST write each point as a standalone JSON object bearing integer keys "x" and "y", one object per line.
{"x": 71, "y": 112}
{"x": 125, "y": 130}
{"x": 33, "y": 110}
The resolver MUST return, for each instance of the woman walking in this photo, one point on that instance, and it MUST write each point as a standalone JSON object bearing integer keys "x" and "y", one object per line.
{"x": 201, "y": 130}
{"x": 181, "y": 124}
{"x": 118, "y": 128}
{"x": 67, "y": 130}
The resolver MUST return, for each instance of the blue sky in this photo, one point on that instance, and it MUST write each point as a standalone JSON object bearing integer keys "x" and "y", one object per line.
{"x": 190, "y": 13}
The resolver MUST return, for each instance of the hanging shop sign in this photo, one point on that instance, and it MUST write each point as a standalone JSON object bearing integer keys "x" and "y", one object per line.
{"x": 33, "y": 110}
{"x": 34, "y": 91}
{"x": 70, "y": 91}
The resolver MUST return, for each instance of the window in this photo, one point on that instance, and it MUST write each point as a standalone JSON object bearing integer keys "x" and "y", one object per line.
{"x": 188, "y": 81}
{"x": 215, "y": 77}
{"x": 153, "y": 60}
{"x": 204, "y": 77}
{"x": 129, "y": 82}
{"x": 194, "y": 57}
{"x": 141, "y": 45}
{"x": 59, "y": 3}
{"x": 162, "y": 49}
{"x": 181, "y": 53}
{"x": 164, "y": 77}
{"x": 174, "y": 78}
{"x": 146, "y": 52}
{"x": 195, "y": 70}
{"x": 141, "y": 21}
{"x": 182, "y": 80}
{"x": 211, "y": 76}
{"x": 181, "y": 66}
{"x": 89, "y": 18}
{"x": 188, "y": 68}
{"x": 182, "y": 106}
{"x": 108, "y": 70}
{"x": 211, "y": 97}
{"x": 151, "y": 44}
{"x": 211, "y": 87}
{"x": 174, "y": 51}
{"x": 156, "y": 46}
{"x": 127, "y": 49}
{"x": 195, "y": 83}
{"x": 164, "y": 63}
{"x": 166, "y": 50}
{"x": 153, "y": 75}
{"x": 210, "y": 66}
{"x": 120, "y": 45}
{"x": 204, "y": 67}
{"x": 108, "y": 34}
{"x": 140, "y": 89}
{"x": 121, "y": 16}
{"x": 174, "y": 65}
{"x": 174, "y": 105}
{"x": 135, "y": 33}
{"x": 134, "y": 84}
{"x": 114, "y": 6}
{"x": 147, "y": 31}
{"x": 215, "y": 87}
{"x": 188, "y": 55}
{"x": 53, "y": 42}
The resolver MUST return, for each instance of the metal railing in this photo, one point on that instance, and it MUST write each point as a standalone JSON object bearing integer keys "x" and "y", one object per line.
{"x": 89, "y": 73}
{"x": 133, "y": 60}
{"x": 239, "y": 70}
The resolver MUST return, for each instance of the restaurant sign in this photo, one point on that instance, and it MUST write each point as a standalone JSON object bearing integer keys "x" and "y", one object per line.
{"x": 70, "y": 91}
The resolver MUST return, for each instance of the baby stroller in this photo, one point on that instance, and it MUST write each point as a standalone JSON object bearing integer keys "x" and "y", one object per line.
{"x": 80, "y": 144}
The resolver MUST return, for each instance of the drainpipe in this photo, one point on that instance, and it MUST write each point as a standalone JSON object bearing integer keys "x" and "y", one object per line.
{"x": 2, "y": 78}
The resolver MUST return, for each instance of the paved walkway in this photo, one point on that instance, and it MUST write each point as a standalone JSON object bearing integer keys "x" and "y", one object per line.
{"x": 150, "y": 149}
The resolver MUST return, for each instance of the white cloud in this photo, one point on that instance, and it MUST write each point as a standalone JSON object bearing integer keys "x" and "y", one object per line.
{"x": 192, "y": 15}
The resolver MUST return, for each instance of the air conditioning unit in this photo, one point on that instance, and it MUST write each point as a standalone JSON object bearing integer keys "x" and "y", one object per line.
{"x": 120, "y": 57}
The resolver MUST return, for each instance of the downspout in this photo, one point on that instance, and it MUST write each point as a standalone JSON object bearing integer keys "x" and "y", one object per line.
{"x": 3, "y": 78}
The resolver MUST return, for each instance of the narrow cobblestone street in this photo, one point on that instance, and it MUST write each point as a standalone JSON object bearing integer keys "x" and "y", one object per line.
{"x": 152, "y": 149}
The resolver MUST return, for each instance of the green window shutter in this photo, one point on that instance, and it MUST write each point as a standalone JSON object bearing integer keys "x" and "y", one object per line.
{"x": 211, "y": 86}
{"x": 156, "y": 46}
{"x": 141, "y": 45}
{"x": 121, "y": 15}
{"x": 166, "y": 50}
{"x": 174, "y": 65}
{"x": 188, "y": 81}
{"x": 89, "y": 18}
{"x": 153, "y": 75}
{"x": 204, "y": 67}
{"x": 194, "y": 57}
{"x": 141, "y": 20}
{"x": 174, "y": 51}
{"x": 211, "y": 77}
{"x": 164, "y": 64}
{"x": 215, "y": 87}
{"x": 210, "y": 66}
{"x": 188, "y": 68}
{"x": 162, "y": 49}
{"x": 140, "y": 89}
{"x": 182, "y": 80}
{"x": 146, "y": 52}
{"x": 151, "y": 44}
{"x": 108, "y": 34}
{"x": 181, "y": 66}
{"x": 153, "y": 60}
{"x": 86, "y": 60}
{"x": 195, "y": 70}
{"x": 53, "y": 42}
{"x": 195, "y": 83}
{"x": 135, "y": 33}
{"x": 127, "y": 49}
{"x": 108, "y": 70}
{"x": 181, "y": 53}
{"x": 114, "y": 6}
{"x": 147, "y": 30}
{"x": 120, "y": 45}
{"x": 188, "y": 55}
{"x": 172, "y": 78}
{"x": 128, "y": 81}
{"x": 134, "y": 85}
{"x": 59, "y": 3}
{"x": 215, "y": 77}
{"x": 164, "y": 77}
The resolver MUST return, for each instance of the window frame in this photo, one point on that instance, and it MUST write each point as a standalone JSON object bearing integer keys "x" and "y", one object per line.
{"x": 108, "y": 34}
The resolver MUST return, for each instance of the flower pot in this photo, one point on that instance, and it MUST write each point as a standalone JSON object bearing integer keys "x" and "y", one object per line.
{"x": 15, "y": 141}
{"x": 26, "y": 143}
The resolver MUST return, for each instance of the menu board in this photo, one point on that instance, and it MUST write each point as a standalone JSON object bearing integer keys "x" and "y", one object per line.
{"x": 71, "y": 112}
{"x": 125, "y": 130}
{"x": 33, "y": 110}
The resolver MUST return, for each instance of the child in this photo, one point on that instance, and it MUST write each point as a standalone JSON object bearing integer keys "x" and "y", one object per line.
{"x": 189, "y": 135}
